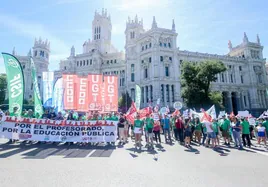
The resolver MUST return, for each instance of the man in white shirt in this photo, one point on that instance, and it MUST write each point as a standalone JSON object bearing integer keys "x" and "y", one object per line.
{"x": 210, "y": 133}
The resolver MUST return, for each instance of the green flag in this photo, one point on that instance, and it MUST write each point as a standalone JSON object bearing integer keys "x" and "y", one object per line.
{"x": 15, "y": 83}
{"x": 38, "y": 109}
{"x": 138, "y": 97}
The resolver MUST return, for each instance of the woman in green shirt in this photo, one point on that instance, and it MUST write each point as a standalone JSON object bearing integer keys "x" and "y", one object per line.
{"x": 138, "y": 124}
{"x": 198, "y": 130}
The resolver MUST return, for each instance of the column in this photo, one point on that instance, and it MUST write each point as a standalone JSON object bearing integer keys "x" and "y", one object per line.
{"x": 218, "y": 78}
{"x": 242, "y": 101}
{"x": 164, "y": 91}
{"x": 229, "y": 103}
{"x": 149, "y": 92}
{"x": 170, "y": 95}
{"x": 238, "y": 102}
{"x": 227, "y": 76}
{"x": 259, "y": 98}
{"x": 263, "y": 99}
{"x": 144, "y": 94}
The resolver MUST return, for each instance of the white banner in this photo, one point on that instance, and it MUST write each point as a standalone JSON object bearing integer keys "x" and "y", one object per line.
{"x": 58, "y": 131}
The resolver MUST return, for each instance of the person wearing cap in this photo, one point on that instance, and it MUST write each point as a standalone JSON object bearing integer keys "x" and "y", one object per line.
{"x": 245, "y": 132}
{"x": 261, "y": 133}
{"x": 225, "y": 130}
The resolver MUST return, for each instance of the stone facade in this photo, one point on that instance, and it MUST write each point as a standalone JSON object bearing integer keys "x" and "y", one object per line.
{"x": 99, "y": 55}
{"x": 153, "y": 60}
{"x": 41, "y": 52}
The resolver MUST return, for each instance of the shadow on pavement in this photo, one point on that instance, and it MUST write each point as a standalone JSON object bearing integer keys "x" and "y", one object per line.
{"x": 42, "y": 151}
{"x": 192, "y": 150}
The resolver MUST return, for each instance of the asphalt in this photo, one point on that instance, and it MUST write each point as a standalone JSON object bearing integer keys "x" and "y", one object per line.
{"x": 32, "y": 165}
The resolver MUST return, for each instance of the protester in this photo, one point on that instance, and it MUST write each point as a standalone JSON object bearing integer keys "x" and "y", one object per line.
{"x": 225, "y": 130}
{"x": 188, "y": 132}
{"x": 138, "y": 125}
{"x": 210, "y": 133}
{"x": 245, "y": 132}
{"x": 216, "y": 129}
{"x": 180, "y": 128}
{"x": 121, "y": 127}
{"x": 236, "y": 129}
{"x": 15, "y": 112}
{"x": 265, "y": 124}
{"x": 174, "y": 129}
{"x": 156, "y": 131}
{"x": 198, "y": 130}
{"x": 46, "y": 115}
{"x": 149, "y": 123}
{"x": 166, "y": 128}
{"x": 261, "y": 133}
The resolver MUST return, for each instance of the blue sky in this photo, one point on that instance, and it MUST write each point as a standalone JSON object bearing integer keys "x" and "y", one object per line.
{"x": 203, "y": 26}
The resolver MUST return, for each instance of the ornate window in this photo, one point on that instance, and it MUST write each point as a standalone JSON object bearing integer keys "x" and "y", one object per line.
{"x": 167, "y": 71}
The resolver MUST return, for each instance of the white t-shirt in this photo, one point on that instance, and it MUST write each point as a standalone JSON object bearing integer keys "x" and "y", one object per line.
{"x": 261, "y": 129}
{"x": 208, "y": 126}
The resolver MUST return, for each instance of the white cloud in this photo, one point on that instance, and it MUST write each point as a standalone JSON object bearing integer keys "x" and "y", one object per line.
{"x": 130, "y": 5}
{"x": 33, "y": 30}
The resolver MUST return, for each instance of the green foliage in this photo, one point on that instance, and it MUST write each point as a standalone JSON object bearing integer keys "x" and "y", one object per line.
{"x": 125, "y": 101}
{"x": 3, "y": 87}
{"x": 196, "y": 81}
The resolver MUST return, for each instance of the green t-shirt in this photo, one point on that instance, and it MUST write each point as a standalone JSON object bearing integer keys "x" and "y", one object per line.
{"x": 149, "y": 123}
{"x": 14, "y": 114}
{"x": 225, "y": 125}
{"x": 138, "y": 123}
{"x": 198, "y": 127}
{"x": 265, "y": 124}
{"x": 215, "y": 126}
{"x": 173, "y": 123}
{"x": 245, "y": 127}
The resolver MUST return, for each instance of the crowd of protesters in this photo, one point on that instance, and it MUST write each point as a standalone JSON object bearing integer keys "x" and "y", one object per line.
{"x": 185, "y": 130}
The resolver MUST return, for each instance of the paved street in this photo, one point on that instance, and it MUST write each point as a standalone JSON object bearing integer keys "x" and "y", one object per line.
{"x": 99, "y": 165}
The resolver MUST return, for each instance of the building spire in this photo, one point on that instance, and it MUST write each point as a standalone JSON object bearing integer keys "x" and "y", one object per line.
{"x": 230, "y": 45}
{"x": 14, "y": 51}
{"x": 136, "y": 19}
{"x": 30, "y": 53}
{"x": 245, "y": 39}
{"x": 258, "y": 39}
{"x": 173, "y": 26}
{"x": 154, "y": 24}
{"x": 72, "y": 51}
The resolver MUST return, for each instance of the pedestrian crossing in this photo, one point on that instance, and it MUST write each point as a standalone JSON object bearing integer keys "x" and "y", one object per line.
{"x": 43, "y": 151}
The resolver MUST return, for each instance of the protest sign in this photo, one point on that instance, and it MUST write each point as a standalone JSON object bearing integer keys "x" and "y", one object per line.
{"x": 59, "y": 131}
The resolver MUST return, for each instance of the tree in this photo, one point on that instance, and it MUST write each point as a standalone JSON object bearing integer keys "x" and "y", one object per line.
{"x": 124, "y": 101}
{"x": 196, "y": 81}
{"x": 3, "y": 87}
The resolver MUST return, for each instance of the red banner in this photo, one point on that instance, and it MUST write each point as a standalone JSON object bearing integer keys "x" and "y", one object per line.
{"x": 90, "y": 93}
{"x": 95, "y": 87}
{"x": 111, "y": 93}
{"x": 82, "y": 94}
{"x": 69, "y": 82}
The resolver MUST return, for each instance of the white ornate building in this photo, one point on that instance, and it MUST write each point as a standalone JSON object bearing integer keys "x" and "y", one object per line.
{"x": 99, "y": 55}
{"x": 153, "y": 60}
{"x": 41, "y": 52}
